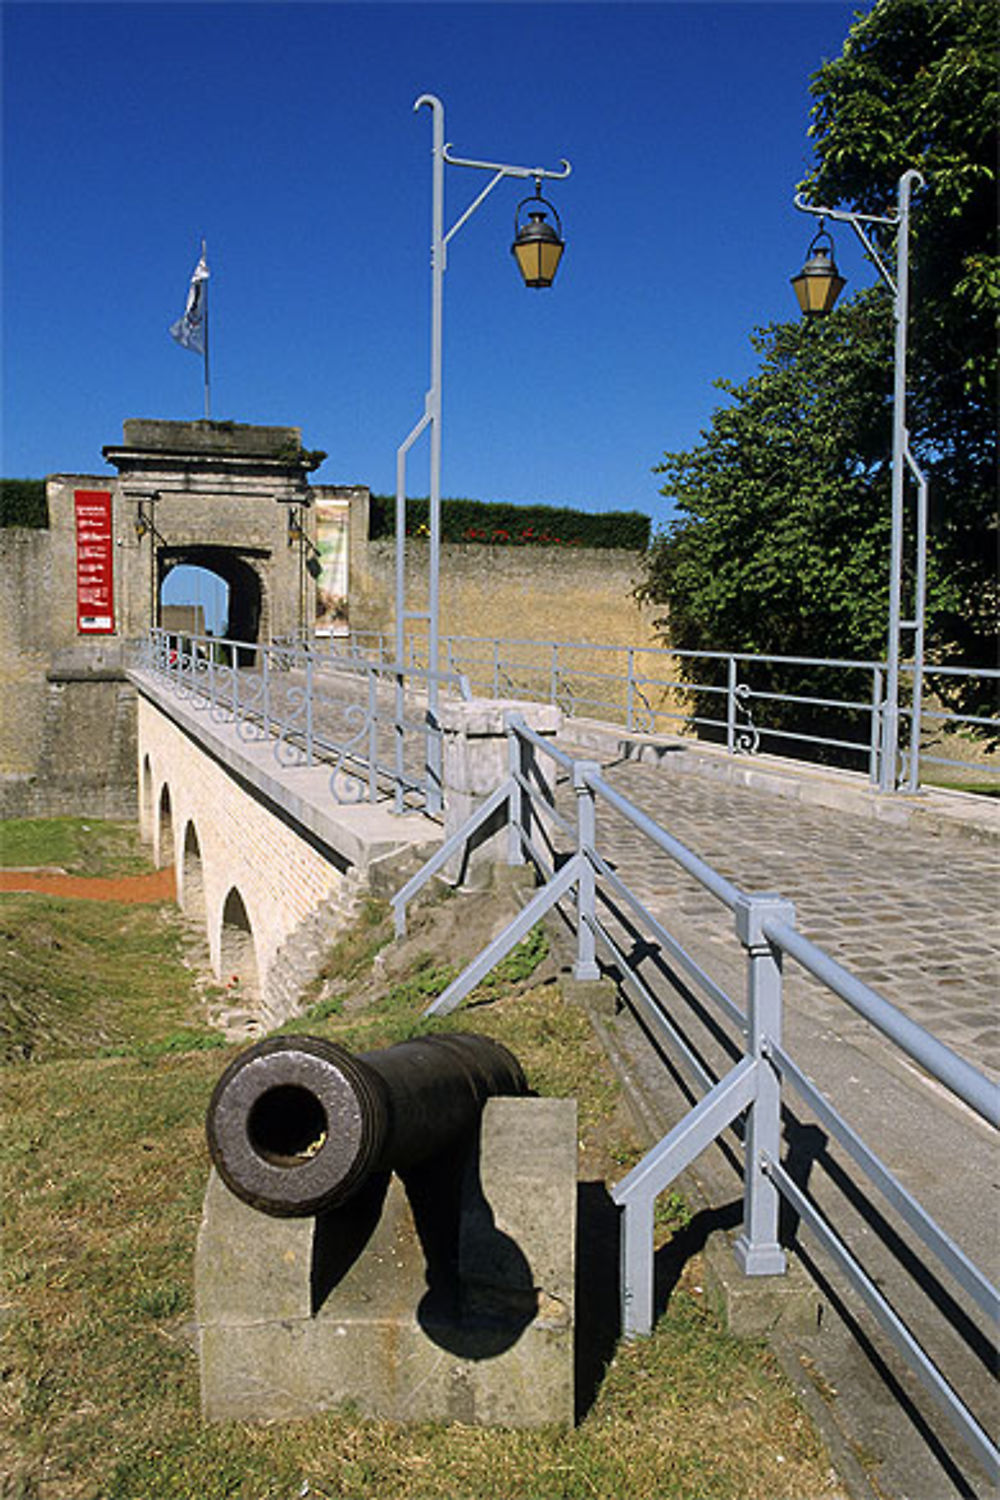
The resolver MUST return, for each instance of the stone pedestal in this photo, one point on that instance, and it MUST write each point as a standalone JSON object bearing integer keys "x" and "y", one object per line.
{"x": 449, "y": 1297}
{"x": 475, "y": 761}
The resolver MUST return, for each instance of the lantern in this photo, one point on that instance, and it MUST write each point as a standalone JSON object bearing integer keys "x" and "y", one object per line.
{"x": 537, "y": 246}
{"x": 819, "y": 283}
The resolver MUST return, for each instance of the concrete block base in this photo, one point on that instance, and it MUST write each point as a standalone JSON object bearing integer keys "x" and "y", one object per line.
{"x": 757, "y": 1306}
{"x": 449, "y": 1297}
{"x": 595, "y": 996}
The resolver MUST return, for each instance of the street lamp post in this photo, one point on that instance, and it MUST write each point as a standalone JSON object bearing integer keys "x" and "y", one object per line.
{"x": 902, "y": 459}
{"x": 537, "y": 249}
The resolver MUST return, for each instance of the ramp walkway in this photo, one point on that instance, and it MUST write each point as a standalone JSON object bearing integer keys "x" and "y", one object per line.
{"x": 911, "y": 908}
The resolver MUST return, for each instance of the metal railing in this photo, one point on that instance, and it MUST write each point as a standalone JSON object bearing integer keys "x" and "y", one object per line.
{"x": 758, "y": 1072}
{"x": 368, "y": 721}
{"x": 733, "y": 699}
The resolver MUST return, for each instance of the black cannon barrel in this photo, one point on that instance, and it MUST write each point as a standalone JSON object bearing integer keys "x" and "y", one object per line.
{"x": 297, "y": 1124}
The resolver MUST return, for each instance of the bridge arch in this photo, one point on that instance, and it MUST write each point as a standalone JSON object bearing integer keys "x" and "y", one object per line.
{"x": 238, "y": 967}
{"x": 191, "y": 892}
{"x": 163, "y": 839}
{"x": 146, "y": 800}
{"x": 272, "y": 897}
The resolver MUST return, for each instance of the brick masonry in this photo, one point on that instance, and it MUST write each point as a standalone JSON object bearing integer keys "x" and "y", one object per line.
{"x": 67, "y": 714}
{"x": 222, "y": 839}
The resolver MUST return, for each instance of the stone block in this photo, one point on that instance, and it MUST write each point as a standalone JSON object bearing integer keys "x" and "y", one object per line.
{"x": 757, "y": 1306}
{"x": 595, "y": 996}
{"x": 475, "y": 761}
{"x": 449, "y": 1298}
{"x": 474, "y": 717}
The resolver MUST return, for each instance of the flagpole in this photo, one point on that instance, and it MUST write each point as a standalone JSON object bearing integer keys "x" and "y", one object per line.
{"x": 208, "y": 383}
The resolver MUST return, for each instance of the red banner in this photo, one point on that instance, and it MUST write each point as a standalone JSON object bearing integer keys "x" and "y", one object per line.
{"x": 95, "y": 599}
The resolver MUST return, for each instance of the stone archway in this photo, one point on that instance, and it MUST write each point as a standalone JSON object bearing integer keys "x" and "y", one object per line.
{"x": 242, "y": 569}
{"x": 237, "y": 951}
{"x": 192, "y": 885}
{"x": 164, "y": 845}
{"x": 146, "y": 810}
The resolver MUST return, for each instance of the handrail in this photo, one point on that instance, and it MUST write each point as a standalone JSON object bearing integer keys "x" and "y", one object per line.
{"x": 626, "y": 684}
{"x": 957, "y": 1075}
{"x": 314, "y": 708}
{"x": 764, "y": 926}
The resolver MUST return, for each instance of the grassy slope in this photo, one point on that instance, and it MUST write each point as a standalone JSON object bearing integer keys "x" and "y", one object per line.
{"x": 80, "y": 846}
{"x": 104, "y": 1167}
{"x": 87, "y": 976}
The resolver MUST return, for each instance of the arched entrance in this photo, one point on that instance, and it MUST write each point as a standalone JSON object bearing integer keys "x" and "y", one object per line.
{"x": 240, "y": 571}
{"x": 195, "y": 600}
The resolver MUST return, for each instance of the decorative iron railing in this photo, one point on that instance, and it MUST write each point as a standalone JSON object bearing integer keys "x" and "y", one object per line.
{"x": 735, "y": 699}
{"x": 368, "y": 721}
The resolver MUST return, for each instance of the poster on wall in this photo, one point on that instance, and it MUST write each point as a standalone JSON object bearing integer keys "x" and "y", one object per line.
{"x": 331, "y": 575}
{"x": 95, "y": 600}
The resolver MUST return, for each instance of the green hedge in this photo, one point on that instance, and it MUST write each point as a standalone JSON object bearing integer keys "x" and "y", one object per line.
{"x": 503, "y": 524}
{"x": 23, "y": 503}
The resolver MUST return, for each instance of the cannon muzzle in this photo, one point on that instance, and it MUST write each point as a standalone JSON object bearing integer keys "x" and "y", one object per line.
{"x": 297, "y": 1124}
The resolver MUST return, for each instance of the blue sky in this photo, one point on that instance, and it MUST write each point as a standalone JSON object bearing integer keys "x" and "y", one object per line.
{"x": 285, "y": 135}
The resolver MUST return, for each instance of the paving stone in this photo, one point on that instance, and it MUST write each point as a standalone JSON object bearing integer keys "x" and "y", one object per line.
{"x": 912, "y": 911}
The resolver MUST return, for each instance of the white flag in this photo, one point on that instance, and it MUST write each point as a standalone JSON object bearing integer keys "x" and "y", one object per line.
{"x": 189, "y": 331}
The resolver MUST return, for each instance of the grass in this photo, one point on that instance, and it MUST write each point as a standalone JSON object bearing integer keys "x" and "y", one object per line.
{"x": 104, "y": 1168}
{"x": 979, "y": 788}
{"x": 85, "y": 976}
{"x": 80, "y": 846}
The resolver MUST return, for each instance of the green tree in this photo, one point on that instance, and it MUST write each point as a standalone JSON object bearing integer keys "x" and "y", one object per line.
{"x": 917, "y": 85}
{"x": 780, "y": 539}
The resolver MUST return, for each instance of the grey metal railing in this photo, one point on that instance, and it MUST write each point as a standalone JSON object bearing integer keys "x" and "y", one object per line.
{"x": 729, "y": 700}
{"x": 368, "y": 721}
{"x": 572, "y": 869}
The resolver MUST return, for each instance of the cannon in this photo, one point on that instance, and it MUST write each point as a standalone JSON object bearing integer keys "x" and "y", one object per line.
{"x": 297, "y": 1124}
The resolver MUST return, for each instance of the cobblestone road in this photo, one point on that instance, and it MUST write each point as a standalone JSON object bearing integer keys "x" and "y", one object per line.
{"x": 911, "y": 912}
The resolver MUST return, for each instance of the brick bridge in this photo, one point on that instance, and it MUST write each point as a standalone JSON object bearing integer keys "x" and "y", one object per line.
{"x": 264, "y": 856}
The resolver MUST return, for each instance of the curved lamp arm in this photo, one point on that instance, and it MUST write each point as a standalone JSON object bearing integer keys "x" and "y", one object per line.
{"x": 910, "y": 180}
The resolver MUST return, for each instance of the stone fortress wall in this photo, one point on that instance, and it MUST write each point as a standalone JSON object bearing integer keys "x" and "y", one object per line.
{"x": 235, "y": 499}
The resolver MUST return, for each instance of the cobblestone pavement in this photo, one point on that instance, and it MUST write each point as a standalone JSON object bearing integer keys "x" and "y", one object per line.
{"x": 910, "y": 912}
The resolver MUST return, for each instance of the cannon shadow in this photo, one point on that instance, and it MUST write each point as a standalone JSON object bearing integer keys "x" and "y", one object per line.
{"x": 480, "y": 1294}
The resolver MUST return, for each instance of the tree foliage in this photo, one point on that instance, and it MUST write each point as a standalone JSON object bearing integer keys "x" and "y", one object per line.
{"x": 917, "y": 86}
{"x": 780, "y": 539}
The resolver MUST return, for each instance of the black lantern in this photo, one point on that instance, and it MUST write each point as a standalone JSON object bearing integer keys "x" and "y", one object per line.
{"x": 819, "y": 283}
{"x": 537, "y": 246}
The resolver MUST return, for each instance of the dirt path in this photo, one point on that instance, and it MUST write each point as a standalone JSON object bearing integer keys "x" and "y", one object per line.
{"x": 158, "y": 885}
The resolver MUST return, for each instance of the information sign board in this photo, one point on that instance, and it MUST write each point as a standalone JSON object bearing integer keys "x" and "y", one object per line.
{"x": 95, "y": 600}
